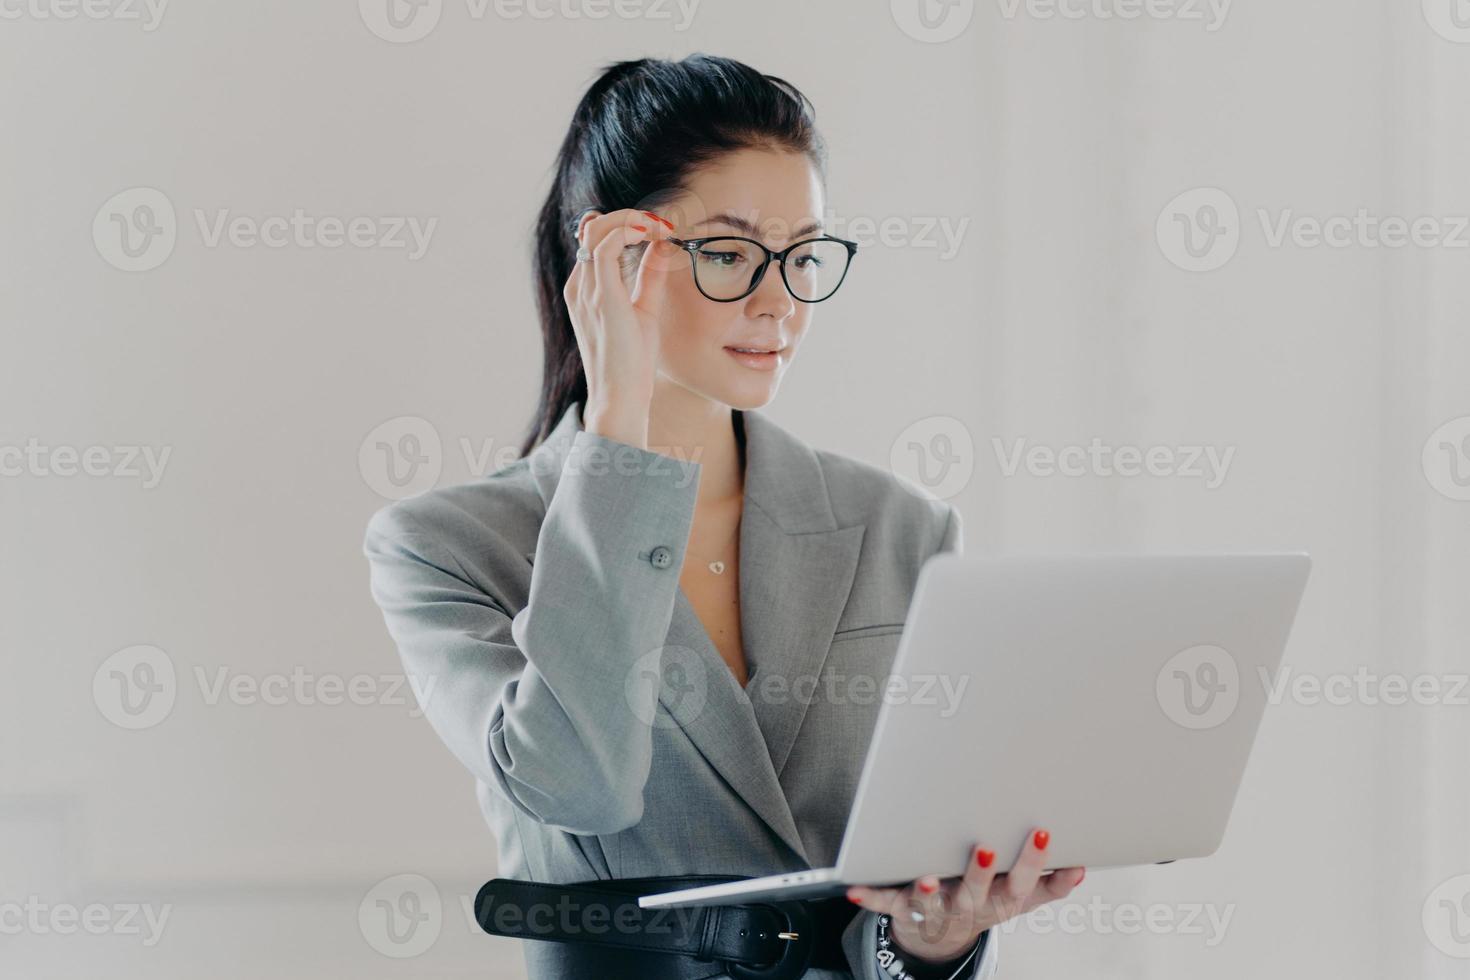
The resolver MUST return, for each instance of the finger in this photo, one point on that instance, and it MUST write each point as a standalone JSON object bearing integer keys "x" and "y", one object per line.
{"x": 609, "y": 235}
{"x": 579, "y": 283}
{"x": 1053, "y": 887}
{"x": 654, "y": 266}
{"x": 979, "y": 874}
{"x": 1058, "y": 884}
{"x": 595, "y": 226}
{"x": 607, "y": 261}
{"x": 939, "y": 901}
{"x": 1025, "y": 873}
{"x": 926, "y": 897}
{"x": 1061, "y": 881}
{"x": 881, "y": 900}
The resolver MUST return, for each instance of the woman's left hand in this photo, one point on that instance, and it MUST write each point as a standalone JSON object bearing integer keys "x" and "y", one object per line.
{"x": 957, "y": 910}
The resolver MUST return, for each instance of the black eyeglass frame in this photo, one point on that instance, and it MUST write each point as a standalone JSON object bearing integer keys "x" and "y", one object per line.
{"x": 693, "y": 245}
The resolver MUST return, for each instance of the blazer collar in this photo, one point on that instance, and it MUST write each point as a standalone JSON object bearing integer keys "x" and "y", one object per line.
{"x": 796, "y": 572}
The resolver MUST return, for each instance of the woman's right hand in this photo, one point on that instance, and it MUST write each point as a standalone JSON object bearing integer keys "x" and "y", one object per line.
{"x": 617, "y": 331}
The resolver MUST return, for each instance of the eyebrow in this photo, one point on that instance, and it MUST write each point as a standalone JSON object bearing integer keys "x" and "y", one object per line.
{"x": 735, "y": 221}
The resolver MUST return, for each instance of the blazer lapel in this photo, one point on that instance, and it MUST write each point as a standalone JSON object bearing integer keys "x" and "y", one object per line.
{"x": 721, "y": 723}
{"x": 796, "y": 572}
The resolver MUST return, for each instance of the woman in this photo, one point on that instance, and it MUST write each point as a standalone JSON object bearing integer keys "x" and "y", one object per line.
{"x": 631, "y": 630}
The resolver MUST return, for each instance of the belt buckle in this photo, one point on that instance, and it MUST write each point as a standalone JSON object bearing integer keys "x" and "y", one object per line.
{"x": 796, "y": 954}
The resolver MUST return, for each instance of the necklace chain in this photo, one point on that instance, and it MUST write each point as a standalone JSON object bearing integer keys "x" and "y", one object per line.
{"x": 717, "y": 565}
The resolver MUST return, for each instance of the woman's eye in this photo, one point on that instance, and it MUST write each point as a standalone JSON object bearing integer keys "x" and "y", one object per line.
{"x": 722, "y": 258}
{"x": 807, "y": 260}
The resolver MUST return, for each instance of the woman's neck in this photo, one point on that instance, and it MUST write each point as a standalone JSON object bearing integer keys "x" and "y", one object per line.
{"x": 693, "y": 428}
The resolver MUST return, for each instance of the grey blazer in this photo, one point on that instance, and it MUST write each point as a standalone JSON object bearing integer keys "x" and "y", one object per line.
{"x": 571, "y": 675}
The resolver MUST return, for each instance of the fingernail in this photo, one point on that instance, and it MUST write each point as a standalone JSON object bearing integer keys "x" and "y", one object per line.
{"x": 1080, "y": 877}
{"x": 1041, "y": 838}
{"x": 638, "y": 228}
{"x": 850, "y": 898}
{"x": 985, "y": 858}
{"x": 661, "y": 220}
{"x": 928, "y": 887}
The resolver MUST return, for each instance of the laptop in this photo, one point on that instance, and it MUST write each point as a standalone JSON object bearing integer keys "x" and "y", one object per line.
{"x": 1112, "y": 699}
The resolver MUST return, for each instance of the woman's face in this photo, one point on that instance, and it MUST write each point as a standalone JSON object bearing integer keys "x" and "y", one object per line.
{"x": 776, "y": 198}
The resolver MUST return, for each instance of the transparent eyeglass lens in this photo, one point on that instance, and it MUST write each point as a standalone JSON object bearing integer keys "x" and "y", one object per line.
{"x": 726, "y": 266}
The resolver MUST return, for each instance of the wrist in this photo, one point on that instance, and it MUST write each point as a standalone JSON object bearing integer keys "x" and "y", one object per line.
{"x": 902, "y": 963}
{"x": 619, "y": 425}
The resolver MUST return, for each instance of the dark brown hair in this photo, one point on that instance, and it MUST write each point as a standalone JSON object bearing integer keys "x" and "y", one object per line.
{"x": 641, "y": 130}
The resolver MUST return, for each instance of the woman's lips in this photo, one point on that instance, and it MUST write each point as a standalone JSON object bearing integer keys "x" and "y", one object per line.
{"x": 758, "y": 362}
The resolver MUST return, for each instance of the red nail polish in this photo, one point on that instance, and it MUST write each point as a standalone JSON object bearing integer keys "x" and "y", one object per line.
{"x": 926, "y": 887}
{"x": 851, "y": 899}
{"x": 661, "y": 220}
{"x": 638, "y": 227}
{"x": 1041, "y": 838}
{"x": 985, "y": 858}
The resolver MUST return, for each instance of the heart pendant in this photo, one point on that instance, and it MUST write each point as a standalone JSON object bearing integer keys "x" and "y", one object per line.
{"x": 718, "y": 567}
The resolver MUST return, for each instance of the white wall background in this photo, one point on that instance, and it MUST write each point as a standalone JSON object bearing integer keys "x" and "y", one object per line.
{"x": 1053, "y": 143}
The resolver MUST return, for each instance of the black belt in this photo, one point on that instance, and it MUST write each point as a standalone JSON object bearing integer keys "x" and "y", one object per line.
{"x": 599, "y": 931}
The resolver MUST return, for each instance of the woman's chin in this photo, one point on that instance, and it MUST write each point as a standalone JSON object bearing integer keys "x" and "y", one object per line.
{"x": 748, "y": 397}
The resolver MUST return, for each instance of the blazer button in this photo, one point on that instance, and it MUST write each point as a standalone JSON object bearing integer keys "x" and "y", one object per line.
{"x": 661, "y": 557}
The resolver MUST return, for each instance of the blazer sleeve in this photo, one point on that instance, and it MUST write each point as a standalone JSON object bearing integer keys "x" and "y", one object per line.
{"x": 860, "y": 938}
{"x": 547, "y": 706}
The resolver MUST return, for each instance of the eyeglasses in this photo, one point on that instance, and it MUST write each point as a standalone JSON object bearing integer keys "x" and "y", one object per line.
{"x": 729, "y": 268}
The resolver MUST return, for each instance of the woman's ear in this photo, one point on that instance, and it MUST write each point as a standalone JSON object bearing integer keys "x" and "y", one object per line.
{"x": 587, "y": 216}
